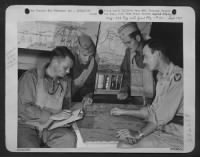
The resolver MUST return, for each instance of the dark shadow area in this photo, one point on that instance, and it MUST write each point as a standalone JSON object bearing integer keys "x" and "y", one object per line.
{"x": 20, "y": 73}
{"x": 172, "y": 35}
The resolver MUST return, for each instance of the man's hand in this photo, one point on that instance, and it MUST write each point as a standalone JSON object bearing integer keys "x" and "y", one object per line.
{"x": 81, "y": 114}
{"x": 122, "y": 95}
{"x": 87, "y": 101}
{"x": 117, "y": 111}
{"x": 128, "y": 136}
{"x": 64, "y": 114}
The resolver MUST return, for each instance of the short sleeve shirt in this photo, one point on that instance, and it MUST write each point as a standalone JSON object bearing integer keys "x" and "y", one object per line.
{"x": 169, "y": 96}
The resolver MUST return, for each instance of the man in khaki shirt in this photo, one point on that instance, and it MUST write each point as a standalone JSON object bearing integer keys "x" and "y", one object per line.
{"x": 160, "y": 130}
{"x": 44, "y": 95}
{"x": 137, "y": 80}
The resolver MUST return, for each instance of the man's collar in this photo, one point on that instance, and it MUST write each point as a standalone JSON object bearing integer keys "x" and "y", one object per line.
{"x": 167, "y": 73}
{"x": 169, "y": 70}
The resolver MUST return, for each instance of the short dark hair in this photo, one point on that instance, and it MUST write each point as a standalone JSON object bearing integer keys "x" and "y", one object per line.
{"x": 156, "y": 44}
{"x": 62, "y": 52}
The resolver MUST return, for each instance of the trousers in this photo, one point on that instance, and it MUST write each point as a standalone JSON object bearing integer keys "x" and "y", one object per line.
{"x": 30, "y": 137}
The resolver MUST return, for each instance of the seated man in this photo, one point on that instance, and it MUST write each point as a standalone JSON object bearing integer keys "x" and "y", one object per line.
{"x": 43, "y": 94}
{"x": 167, "y": 104}
{"x": 84, "y": 70}
{"x": 137, "y": 80}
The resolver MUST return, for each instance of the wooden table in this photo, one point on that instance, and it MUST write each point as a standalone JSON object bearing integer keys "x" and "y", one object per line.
{"x": 98, "y": 128}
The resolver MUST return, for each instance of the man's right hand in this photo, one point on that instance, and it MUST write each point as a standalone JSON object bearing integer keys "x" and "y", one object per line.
{"x": 87, "y": 101}
{"x": 122, "y": 95}
{"x": 64, "y": 114}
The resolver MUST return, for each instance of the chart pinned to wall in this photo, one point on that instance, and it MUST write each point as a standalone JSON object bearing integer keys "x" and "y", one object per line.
{"x": 45, "y": 35}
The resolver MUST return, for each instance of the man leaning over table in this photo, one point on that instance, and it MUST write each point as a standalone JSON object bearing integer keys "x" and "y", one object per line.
{"x": 44, "y": 94}
{"x": 162, "y": 128}
{"x": 137, "y": 80}
{"x": 84, "y": 70}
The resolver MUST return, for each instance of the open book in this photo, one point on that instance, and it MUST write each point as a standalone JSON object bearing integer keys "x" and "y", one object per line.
{"x": 51, "y": 124}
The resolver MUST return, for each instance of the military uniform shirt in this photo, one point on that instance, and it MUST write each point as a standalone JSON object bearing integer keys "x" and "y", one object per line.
{"x": 169, "y": 96}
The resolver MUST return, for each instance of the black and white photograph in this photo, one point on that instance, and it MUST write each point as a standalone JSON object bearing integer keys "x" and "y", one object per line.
{"x": 99, "y": 84}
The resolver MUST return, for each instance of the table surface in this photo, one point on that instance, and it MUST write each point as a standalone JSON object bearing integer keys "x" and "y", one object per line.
{"x": 99, "y": 126}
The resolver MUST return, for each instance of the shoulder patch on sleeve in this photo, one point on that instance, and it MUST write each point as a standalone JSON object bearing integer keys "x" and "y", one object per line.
{"x": 177, "y": 77}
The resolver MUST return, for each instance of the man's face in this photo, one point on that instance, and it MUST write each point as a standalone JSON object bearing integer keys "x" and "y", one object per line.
{"x": 63, "y": 66}
{"x": 150, "y": 59}
{"x": 84, "y": 56}
{"x": 129, "y": 42}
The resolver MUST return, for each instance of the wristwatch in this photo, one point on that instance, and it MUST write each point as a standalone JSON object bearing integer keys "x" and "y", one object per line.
{"x": 140, "y": 135}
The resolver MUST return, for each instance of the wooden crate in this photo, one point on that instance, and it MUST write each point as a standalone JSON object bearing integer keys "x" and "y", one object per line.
{"x": 108, "y": 83}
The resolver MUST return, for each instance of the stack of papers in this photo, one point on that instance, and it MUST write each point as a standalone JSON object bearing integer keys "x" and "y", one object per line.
{"x": 75, "y": 116}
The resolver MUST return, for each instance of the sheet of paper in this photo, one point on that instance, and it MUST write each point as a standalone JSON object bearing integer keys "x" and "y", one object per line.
{"x": 75, "y": 116}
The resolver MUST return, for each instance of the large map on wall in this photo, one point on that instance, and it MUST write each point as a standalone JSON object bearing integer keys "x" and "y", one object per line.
{"x": 46, "y": 35}
{"x": 110, "y": 48}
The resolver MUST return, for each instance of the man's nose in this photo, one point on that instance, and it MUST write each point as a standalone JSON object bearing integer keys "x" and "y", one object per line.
{"x": 86, "y": 58}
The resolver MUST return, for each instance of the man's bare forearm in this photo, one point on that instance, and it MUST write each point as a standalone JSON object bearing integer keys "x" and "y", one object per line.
{"x": 136, "y": 113}
{"x": 148, "y": 128}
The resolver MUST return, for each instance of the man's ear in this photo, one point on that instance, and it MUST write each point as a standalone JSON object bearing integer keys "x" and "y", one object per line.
{"x": 55, "y": 61}
{"x": 157, "y": 52}
{"x": 138, "y": 38}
